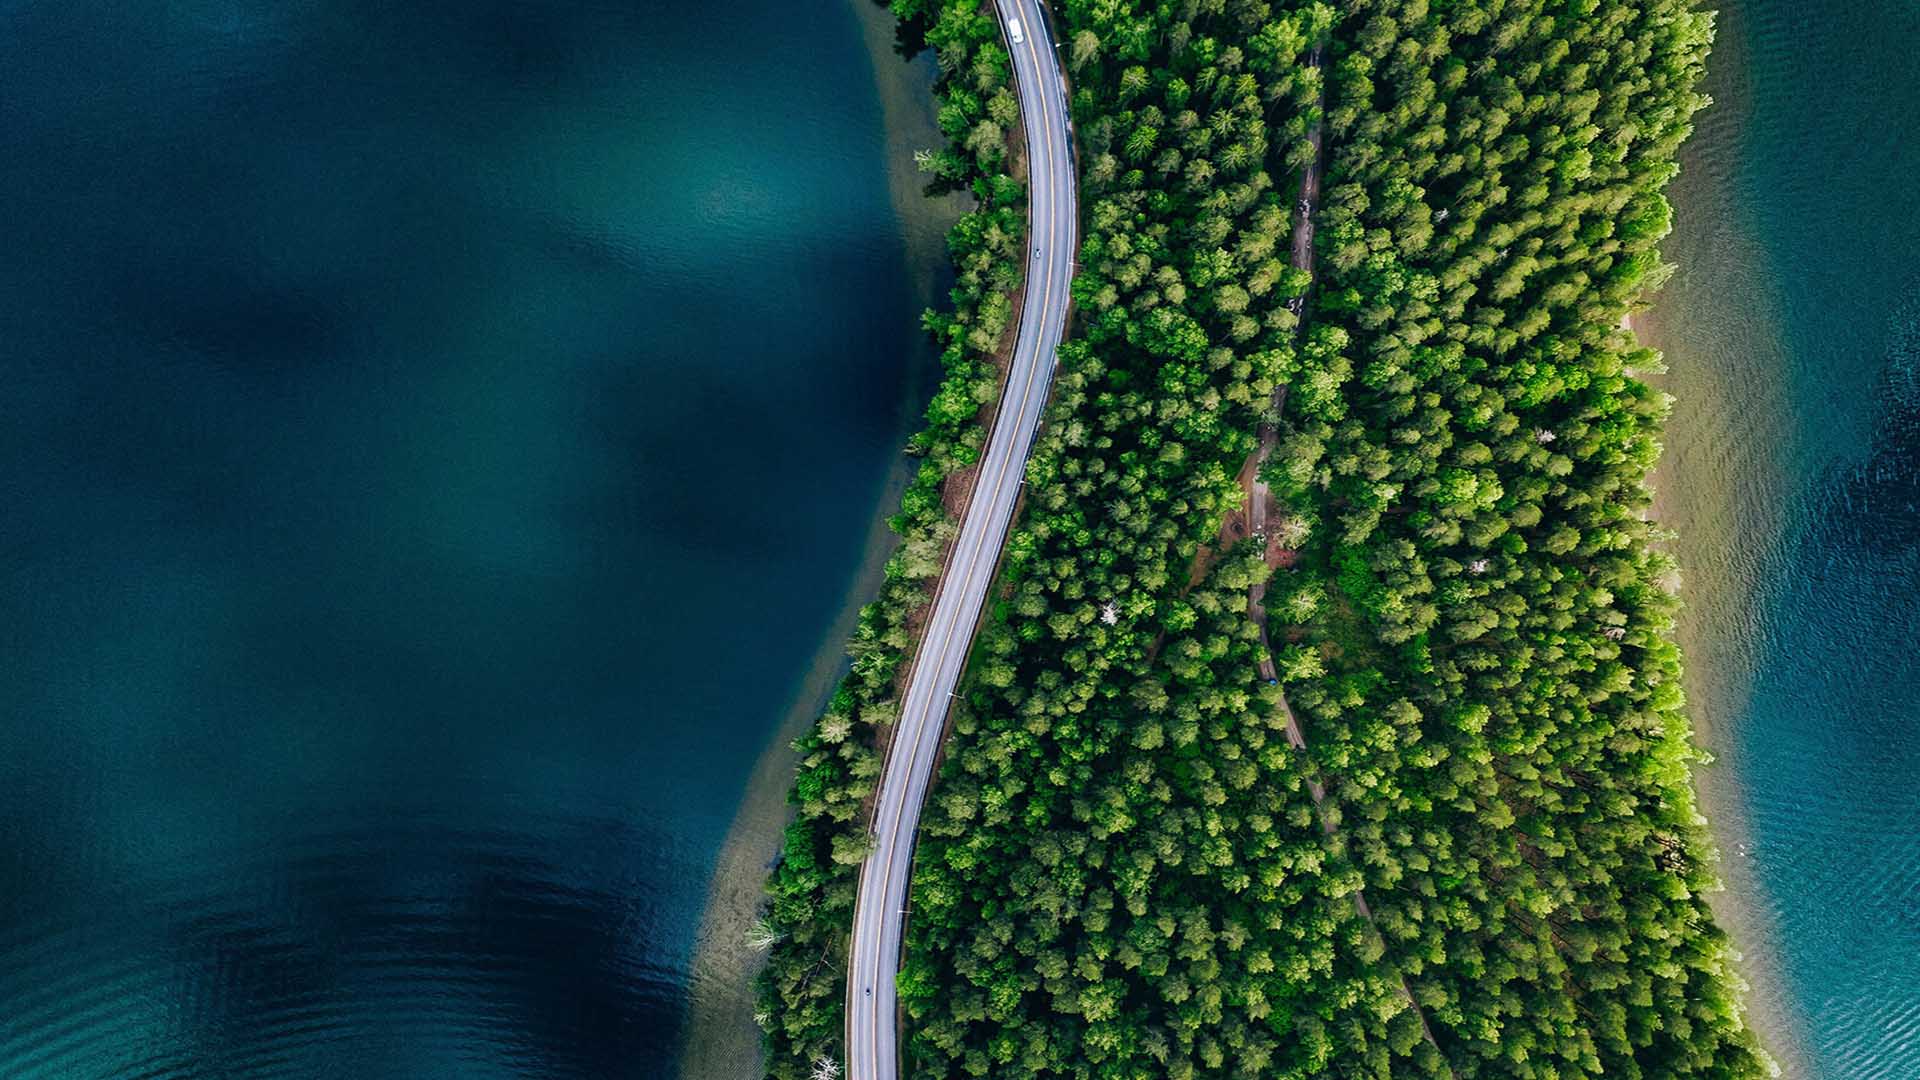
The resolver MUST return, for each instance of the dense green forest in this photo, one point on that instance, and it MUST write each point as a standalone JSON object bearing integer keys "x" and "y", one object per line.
{"x": 1122, "y": 871}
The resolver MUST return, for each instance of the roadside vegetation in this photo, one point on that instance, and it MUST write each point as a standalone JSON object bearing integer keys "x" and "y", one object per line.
{"x": 1122, "y": 872}
{"x": 811, "y": 889}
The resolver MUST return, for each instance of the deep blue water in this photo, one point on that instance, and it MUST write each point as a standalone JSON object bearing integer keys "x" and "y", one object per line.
{"x": 434, "y": 439}
{"x": 1793, "y": 333}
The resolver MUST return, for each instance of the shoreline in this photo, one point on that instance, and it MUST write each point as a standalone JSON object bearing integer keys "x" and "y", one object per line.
{"x": 1790, "y": 303}
{"x": 1714, "y": 482}
{"x": 721, "y": 1039}
{"x": 1716, "y": 677}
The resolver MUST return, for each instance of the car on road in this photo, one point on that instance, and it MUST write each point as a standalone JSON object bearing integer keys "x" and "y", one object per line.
{"x": 873, "y": 1021}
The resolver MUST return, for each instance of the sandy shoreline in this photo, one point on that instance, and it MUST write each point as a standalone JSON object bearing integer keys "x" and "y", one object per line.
{"x": 722, "y": 1041}
{"x": 1712, "y": 485}
{"x": 1716, "y": 678}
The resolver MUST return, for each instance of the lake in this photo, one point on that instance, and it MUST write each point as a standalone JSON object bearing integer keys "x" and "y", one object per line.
{"x": 1793, "y": 475}
{"x": 437, "y": 440}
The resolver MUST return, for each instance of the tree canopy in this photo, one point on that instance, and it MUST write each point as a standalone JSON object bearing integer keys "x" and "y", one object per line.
{"x": 1123, "y": 872}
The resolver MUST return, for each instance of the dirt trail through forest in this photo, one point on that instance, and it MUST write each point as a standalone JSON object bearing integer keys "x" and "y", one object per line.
{"x": 1278, "y": 557}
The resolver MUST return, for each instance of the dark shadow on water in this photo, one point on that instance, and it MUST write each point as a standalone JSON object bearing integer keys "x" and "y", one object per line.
{"x": 909, "y": 34}
{"x": 1875, "y": 504}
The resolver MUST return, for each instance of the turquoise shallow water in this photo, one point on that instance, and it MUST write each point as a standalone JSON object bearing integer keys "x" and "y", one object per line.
{"x": 435, "y": 439}
{"x": 1793, "y": 334}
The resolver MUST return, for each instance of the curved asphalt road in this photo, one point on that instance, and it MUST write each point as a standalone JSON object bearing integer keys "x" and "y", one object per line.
{"x": 1053, "y": 218}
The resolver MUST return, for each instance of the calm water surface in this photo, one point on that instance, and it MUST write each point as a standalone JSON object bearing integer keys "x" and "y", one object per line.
{"x": 1793, "y": 333}
{"x": 434, "y": 439}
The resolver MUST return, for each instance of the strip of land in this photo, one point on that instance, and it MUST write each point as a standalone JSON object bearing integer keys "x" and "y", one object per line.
{"x": 872, "y": 1043}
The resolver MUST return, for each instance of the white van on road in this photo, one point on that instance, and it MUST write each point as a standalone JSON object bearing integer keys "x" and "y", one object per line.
{"x": 1013, "y": 31}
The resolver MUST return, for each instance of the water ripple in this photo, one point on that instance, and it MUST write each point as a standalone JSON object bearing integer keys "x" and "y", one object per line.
{"x": 380, "y": 951}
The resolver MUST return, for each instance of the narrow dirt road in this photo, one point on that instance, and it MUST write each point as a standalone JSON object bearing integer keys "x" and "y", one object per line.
{"x": 1259, "y": 501}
